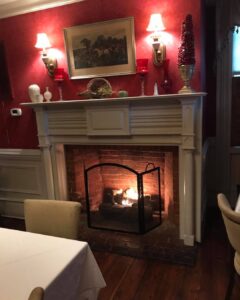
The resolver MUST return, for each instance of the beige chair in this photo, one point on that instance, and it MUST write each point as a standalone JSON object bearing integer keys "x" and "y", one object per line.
{"x": 52, "y": 217}
{"x": 232, "y": 223}
{"x": 37, "y": 294}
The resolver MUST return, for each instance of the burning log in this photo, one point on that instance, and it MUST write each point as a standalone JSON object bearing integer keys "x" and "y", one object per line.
{"x": 129, "y": 213}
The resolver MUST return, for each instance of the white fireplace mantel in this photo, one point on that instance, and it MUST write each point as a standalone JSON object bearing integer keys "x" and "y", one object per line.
{"x": 173, "y": 119}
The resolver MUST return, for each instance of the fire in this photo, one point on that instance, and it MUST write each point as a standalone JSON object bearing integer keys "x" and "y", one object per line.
{"x": 128, "y": 196}
{"x": 126, "y": 203}
{"x": 131, "y": 194}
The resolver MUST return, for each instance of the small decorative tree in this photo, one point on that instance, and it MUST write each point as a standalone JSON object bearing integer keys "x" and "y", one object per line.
{"x": 186, "y": 54}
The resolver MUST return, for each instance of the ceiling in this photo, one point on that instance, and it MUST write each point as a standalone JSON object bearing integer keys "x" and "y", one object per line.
{"x": 10, "y": 8}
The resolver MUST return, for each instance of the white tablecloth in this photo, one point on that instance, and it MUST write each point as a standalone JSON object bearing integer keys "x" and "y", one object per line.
{"x": 65, "y": 268}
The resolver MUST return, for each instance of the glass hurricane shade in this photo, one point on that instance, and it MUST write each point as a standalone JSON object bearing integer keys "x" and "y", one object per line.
{"x": 59, "y": 74}
{"x": 42, "y": 41}
{"x": 155, "y": 23}
{"x": 142, "y": 66}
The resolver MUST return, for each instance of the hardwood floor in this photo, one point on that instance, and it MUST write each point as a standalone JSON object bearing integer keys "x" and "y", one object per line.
{"x": 129, "y": 278}
{"x": 136, "y": 279}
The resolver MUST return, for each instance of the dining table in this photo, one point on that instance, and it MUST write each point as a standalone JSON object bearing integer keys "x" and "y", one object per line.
{"x": 66, "y": 269}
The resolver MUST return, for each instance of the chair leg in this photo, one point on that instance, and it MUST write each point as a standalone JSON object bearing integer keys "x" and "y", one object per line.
{"x": 230, "y": 285}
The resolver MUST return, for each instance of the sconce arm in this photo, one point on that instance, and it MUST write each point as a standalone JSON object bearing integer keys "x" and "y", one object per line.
{"x": 50, "y": 63}
{"x": 159, "y": 54}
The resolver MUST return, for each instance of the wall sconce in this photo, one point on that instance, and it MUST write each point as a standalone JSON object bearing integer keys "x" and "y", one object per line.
{"x": 159, "y": 48}
{"x": 49, "y": 61}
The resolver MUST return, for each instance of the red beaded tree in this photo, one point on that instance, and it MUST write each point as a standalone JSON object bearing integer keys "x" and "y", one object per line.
{"x": 186, "y": 53}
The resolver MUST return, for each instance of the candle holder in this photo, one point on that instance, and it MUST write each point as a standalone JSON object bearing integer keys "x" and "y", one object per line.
{"x": 142, "y": 70}
{"x": 59, "y": 76}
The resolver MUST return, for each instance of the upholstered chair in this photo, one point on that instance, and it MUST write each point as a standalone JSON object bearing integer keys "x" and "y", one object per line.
{"x": 37, "y": 294}
{"x": 232, "y": 223}
{"x": 52, "y": 217}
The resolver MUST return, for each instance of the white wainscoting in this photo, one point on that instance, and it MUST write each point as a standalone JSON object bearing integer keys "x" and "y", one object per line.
{"x": 21, "y": 177}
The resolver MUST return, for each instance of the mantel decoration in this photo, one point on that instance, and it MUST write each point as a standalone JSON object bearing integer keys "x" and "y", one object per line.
{"x": 186, "y": 54}
{"x": 47, "y": 94}
{"x": 59, "y": 77}
{"x": 101, "y": 49}
{"x": 97, "y": 88}
{"x": 34, "y": 93}
{"x": 142, "y": 70}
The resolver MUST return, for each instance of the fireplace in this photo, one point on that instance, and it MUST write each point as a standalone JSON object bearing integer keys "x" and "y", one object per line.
{"x": 120, "y": 198}
{"x": 165, "y": 120}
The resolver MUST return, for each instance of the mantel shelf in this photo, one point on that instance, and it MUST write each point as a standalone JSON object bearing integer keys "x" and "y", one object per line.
{"x": 136, "y": 99}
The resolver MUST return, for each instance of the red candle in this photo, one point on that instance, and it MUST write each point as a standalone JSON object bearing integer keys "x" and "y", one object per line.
{"x": 59, "y": 74}
{"x": 142, "y": 66}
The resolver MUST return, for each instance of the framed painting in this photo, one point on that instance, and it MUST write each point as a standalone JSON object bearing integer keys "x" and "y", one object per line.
{"x": 101, "y": 49}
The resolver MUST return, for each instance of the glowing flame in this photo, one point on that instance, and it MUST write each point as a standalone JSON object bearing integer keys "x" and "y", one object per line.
{"x": 126, "y": 203}
{"x": 131, "y": 194}
{"x": 117, "y": 192}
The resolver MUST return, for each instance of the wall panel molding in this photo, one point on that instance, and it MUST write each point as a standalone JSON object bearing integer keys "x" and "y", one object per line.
{"x": 21, "y": 177}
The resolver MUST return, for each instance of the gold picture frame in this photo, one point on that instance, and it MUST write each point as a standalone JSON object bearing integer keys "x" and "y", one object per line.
{"x": 101, "y": 49}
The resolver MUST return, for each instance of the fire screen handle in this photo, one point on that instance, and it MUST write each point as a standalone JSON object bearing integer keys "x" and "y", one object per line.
{"x": 149, "y": 164}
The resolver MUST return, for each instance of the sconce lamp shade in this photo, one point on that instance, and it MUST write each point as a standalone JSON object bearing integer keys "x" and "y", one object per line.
{"x": 159, "y": 48}
{"x": 155, "y": 23}
{"x": 50, "y": 61}
{"x": 42, "y": 41}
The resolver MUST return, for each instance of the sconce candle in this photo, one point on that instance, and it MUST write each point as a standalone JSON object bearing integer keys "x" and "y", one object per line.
{"x": 142, "y": 70}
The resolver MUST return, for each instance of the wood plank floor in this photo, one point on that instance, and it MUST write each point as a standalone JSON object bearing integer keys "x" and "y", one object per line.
{"x": 128, "y": 278}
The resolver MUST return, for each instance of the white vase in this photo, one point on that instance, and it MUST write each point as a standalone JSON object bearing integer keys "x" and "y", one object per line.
{"x": 47, "y": 95}
{"x": 34, "y": 92}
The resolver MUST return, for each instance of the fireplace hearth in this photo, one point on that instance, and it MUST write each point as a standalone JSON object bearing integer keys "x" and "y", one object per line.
{"x": 134, "y": 206}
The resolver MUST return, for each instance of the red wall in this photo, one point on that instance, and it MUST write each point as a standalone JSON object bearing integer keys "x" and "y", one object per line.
{"x": 25, "y": 66}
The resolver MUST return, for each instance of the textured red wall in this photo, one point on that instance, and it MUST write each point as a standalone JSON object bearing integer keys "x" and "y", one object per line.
{"x": 25, "y": 66}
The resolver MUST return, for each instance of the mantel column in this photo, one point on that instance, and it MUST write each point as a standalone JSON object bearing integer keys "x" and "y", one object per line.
{"x": 45, "y": 146}
{"x": 187, "y": 173}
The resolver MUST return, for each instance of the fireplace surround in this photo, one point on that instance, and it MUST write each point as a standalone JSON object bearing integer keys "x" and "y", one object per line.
{"x": 165, "y": 120}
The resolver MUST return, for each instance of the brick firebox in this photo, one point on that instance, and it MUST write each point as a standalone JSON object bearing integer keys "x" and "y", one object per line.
{"x": 135, "y": 157}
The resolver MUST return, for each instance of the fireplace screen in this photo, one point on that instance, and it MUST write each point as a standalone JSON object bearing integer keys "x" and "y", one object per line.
{"x": 120, "y": 198}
